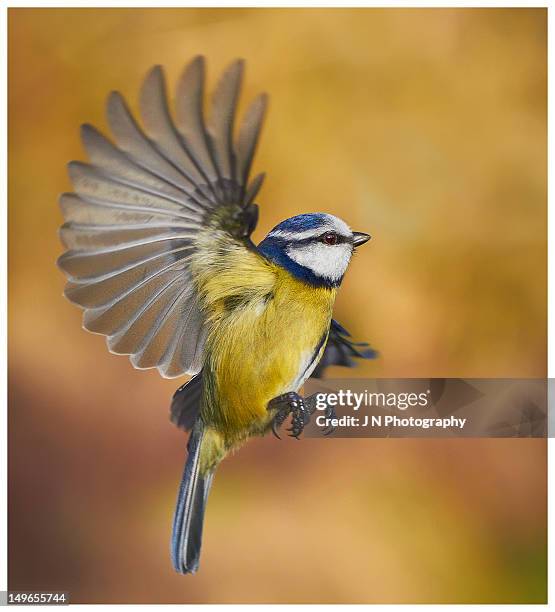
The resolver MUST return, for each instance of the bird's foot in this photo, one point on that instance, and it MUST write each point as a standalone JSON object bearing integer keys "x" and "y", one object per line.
{"x": 289, "y": 404}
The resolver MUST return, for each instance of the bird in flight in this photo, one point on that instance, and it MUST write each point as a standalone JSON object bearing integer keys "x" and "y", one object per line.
{"x": 160, "y": 257}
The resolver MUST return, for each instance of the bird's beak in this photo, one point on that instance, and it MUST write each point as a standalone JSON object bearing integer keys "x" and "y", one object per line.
{"x": 360, "y": 238}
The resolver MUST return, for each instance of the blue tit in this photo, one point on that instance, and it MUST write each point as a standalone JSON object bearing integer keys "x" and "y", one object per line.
{"x": 160, "y": 258}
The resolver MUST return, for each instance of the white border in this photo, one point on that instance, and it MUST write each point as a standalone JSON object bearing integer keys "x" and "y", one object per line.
{"x": 3, "y": 241}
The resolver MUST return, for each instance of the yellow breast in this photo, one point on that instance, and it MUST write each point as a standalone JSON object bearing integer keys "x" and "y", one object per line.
{"x": 260, "y": 349}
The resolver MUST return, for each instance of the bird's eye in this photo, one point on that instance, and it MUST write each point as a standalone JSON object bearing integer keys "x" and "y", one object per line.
{"x": 329, "y": 238}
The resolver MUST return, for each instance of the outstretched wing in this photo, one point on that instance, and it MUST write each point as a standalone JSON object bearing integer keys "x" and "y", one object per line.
{"x": 341, "y": 350}
{"x": 156, "y": 214}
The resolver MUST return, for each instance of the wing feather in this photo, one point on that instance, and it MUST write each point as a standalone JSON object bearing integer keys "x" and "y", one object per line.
{"x": 75, "y": 235}
{"x": 110, "y": 317}
{"x": 131, "y": 139}
{"x": 190, "y": 119}
{"x": 248, "y": 137}
{"x": 224, "y": 104}
{"x": 158, "y": 214}
{"x": 113, "y": 162}
{"x": 127, "y": 339}
{"x": 254, "y": 188}
{"x": 81, "y": 211}
{"x": 187, "y": 346}
{"x": 108, "y": 290}
{"x": 154, "y": 344}
{"x": 341, "y": 350}
{"x": 159, "y": 126}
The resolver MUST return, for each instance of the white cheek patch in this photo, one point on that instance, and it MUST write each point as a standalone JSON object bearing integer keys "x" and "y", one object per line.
{"x": 324, "y": 260}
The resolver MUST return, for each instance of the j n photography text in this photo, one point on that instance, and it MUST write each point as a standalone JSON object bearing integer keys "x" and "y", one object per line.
{"x": 390, "y": 421}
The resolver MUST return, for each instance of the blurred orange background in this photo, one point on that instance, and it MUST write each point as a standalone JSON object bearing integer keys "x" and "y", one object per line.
{"x": 423, "y": 127}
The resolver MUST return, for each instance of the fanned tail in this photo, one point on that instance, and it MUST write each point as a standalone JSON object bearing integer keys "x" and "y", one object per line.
{"x": 189, "y": 512}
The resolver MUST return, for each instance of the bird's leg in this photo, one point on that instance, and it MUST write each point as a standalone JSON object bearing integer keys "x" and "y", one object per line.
{"x": 289, "y": 404}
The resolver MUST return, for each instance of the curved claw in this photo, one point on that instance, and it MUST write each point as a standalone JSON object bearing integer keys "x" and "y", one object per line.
{"x": 328, "y": 430}
{"x": 274, "y": 431}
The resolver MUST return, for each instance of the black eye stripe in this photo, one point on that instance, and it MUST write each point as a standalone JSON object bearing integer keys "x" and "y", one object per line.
{"x": 319, "y": 238}
{"x": 284, "y": 242}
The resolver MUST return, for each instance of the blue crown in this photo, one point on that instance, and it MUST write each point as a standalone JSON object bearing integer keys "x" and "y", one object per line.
{"x": 301, "y": 223}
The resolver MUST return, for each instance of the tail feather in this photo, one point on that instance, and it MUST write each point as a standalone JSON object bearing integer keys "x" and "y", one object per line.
{"x": 189, "y": 512}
